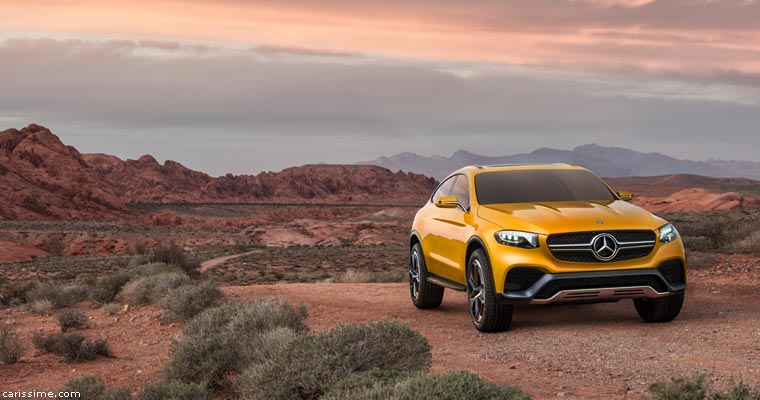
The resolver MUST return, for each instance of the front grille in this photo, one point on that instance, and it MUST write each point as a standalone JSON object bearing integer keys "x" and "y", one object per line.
{"x": 555, "y": 286}
{"x": 522, "y": 278}
{"x": 580, "y": 242}
{"x": 673, "y": 271}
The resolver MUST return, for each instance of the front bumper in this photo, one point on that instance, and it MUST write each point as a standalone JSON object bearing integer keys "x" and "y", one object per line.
{"x": 597, "y": 286}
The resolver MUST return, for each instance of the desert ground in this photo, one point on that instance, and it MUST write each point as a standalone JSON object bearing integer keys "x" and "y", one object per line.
{"x": 347, "y": 264}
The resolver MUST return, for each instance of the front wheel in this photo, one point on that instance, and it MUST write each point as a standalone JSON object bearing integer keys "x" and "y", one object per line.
{"x": 424, "y": 294}
{"x": 661, "y": 309}
{"x": 488, "y": 314}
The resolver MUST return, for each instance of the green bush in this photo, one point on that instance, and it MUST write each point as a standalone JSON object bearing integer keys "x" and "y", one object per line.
{"x": 106, "y": 289}
{"x": 72, "y": 346}
{"x": 15, "y": 293}
{"x": 72, "y": 319}
{"x": 90, "y": 387}
{"x": 153, "y": 268}
{"x": 174, "y": 390}
{"x": 175, "y": 255}
{"x": 452, "y": 385}
{"x": 231, "y": 337}
{"x": 152, "y": 288}
{"x": 696, "y": 387}
{"x": 314, "y": 363}
{"x": 185, "y": 302}
{"x": 11, "y": 349}
{"x": 60, "y": 296}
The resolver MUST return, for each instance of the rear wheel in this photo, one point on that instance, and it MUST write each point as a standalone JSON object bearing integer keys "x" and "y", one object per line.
{"x": 488, "y": 314}
{"x": 424, "y": 294}
{"x": 661, "y": 309}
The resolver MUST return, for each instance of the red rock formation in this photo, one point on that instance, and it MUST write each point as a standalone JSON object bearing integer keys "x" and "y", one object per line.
{"x": 40, "y": 177}
{"x": 695, "y": 199}
{"x": 145, "y": 180}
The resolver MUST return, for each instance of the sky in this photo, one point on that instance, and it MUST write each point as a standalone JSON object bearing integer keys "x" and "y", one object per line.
{"x": 244, "y": 86}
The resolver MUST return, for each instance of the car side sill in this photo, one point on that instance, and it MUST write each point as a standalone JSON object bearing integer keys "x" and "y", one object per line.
{"x": 435, "y": 279}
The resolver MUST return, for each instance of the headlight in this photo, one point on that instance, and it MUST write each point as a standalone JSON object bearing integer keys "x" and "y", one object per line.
{"x": 526, "y": 240}
{"x": 668, "y": 233}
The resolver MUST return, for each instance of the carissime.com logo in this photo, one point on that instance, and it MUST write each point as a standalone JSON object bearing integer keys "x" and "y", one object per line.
{"x": 37, "y": 394}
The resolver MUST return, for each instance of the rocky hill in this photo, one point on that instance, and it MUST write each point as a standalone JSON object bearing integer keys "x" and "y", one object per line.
{"x": 145, "y": 180}
{"x": 40, "y": 177}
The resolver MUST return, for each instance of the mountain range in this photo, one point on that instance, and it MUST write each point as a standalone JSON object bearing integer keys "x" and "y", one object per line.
{"x": 605, "y": 161}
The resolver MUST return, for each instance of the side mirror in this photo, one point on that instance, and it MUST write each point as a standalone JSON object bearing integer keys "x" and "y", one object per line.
{"x": 625, "y": 196}
{"x": 447, "y": 202}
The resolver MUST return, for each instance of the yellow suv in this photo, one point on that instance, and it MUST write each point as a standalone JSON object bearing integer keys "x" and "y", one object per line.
{"x": 540, "y": 234}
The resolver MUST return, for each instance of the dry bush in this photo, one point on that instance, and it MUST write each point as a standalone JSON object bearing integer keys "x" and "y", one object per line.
{"x": 152, "y": 288}
{"x": 90, "y": 387}
{"x": 230, "y": 338}
{"x": 72, "y": 319}
{"x": 72, "y": 346}
{"x": 697, "y": 387}
{"x": 110, "y": 308}
{"x": 314, "y": 363}
{"x": 696, "y": 259}
{"x": 174, "y": 390}
{"x": 359, "y": 276}
{"x": 106, "y": 289}
{"x": 60, "y": 296}
{"x": 40, "y": 307}
{"x": 185, "y": 302}
{"x": 15, "y": 293}
{"x": 11, "y": 349}
{"x": 175, "y": 255}
{"x": 452, "y": 385}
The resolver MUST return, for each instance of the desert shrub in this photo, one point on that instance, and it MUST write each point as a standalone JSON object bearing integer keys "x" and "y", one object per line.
{"x": 359, "y": 276}
{"x": 15, "y": 293}
{"x": 119, "y": 393}
{"x": 696, "y": 387}
{"x": 11, "y": 349}
{"x": 106, "y": 289}
{"x": 153, "y": 268}
{"x": 746, "y": 243}
{"x": 151, "y": 288}
{"x": 452, "y": 385}
{"x": 60, "y": 296}
{"x": 696, "y": 259}
{"x": 72, "y": 346}
{"x": 352, "y": 386}
{"x": 314, "y": 363}
{"x": 185, "y": 302}
{"x": 40, "y": 307}
{"x": 175, "y": 255}
{"x": 174, "y": 390}
{"x": 72, "y": 319}
{"x": 137, "y": 260}
{"x": 90, "y": 387}
{"x": 231, "y": 337}
{"x": 110, "y": 308}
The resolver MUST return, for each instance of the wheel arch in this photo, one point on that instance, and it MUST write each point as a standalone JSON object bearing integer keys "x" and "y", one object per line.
{"x": 414, "y": 239}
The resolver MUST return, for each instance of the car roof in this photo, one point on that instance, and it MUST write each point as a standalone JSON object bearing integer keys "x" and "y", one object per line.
{"x": 476, "y": 169}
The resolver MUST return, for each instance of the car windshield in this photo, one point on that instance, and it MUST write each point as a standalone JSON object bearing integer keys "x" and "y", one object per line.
{"x": 539, "y": 185}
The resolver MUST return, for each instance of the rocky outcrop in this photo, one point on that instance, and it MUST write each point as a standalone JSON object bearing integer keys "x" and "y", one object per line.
{"x": 41, "y": 177}
{"x": 695, "y": 199}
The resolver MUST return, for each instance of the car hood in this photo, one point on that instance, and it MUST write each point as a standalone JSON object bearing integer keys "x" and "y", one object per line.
{"x": 569, "y": 216}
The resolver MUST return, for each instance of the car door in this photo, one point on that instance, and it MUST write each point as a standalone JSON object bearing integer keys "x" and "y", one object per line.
{"x": 448, "y": 231}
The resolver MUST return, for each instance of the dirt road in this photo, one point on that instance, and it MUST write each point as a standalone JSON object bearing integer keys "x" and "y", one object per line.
{"x": 571, "y": 351}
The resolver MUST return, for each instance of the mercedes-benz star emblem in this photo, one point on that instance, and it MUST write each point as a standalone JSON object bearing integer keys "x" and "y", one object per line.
{"x": 604, "y": 246}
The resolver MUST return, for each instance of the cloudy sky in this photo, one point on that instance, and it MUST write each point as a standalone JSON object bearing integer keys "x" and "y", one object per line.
{"x": 243, "y": 86}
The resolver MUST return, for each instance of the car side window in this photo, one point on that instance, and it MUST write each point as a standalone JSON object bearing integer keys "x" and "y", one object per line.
{"x": 461, "y": 190}
{"x": 444, "y": 189}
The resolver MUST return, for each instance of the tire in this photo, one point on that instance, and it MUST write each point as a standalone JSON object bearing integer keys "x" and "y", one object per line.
{"x": 488, "y": 314}
{"x": 424, "y": 294}
{"x": 663, "y": 309}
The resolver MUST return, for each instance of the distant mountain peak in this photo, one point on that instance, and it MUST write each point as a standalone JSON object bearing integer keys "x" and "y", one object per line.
{"x": 608, "y": 161}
